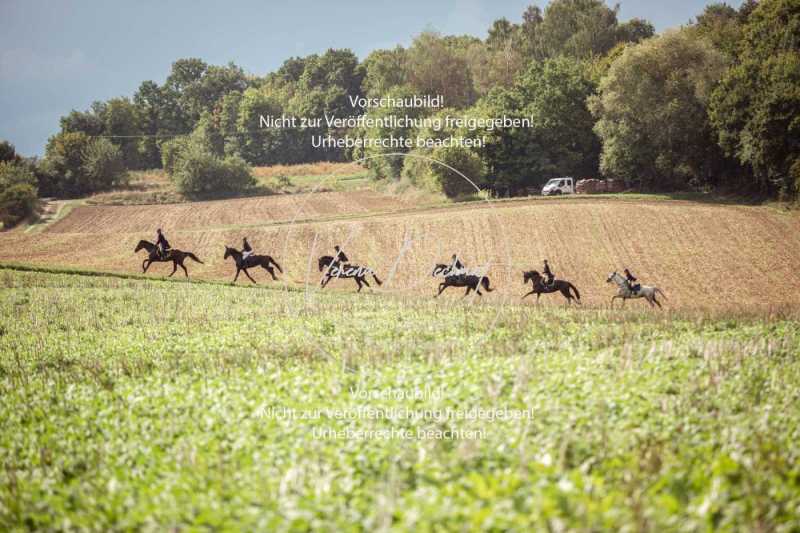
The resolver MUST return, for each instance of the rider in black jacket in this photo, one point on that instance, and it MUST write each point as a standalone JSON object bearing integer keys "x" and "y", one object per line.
{"x": 549, "y": 273}
{"x": 339, "y": 257}
{"x": 162, "y": 245}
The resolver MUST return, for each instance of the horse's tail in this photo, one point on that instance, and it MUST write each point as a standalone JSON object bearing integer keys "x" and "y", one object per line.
{"x": 375, "y": 277}
{"x": 271, "y": 260}
{"x": 659, "y": 291}
{"x": 485, "y": 283}
{"x": 574, "y": 288}
{"x": 190, "y": 255}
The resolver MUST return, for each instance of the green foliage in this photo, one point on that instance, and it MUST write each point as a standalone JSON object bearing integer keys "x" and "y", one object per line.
{"x": 171, "y": 151}
{"x": 721, "y": 24}
{"x": 652, "y": 112}
{"x": 384, "y": 69}
{"x": 76, "y": 164}
{"x": 132, "y": 404}
{"x": 756, "y": 107}
{"x": 197, "y": 171}
{"x": 439, "y": 65}
{"x": 560, "y": 142}
{"x": 103, "y": 165}
{"x": 8, "y": 152}
{"x": 18, "y": 192}
{"x": 467, "y": 164}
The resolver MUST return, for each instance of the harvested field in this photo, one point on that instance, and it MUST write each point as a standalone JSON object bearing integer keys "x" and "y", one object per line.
{"x": 703, "y": 256}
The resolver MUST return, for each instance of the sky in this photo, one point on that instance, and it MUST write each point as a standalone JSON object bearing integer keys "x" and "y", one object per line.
{"x": 56, "y": 56}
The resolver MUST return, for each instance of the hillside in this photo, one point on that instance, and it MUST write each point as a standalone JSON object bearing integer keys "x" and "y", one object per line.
{"x": 700, "y": 255}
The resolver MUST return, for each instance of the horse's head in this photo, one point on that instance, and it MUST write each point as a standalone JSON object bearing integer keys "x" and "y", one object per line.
{"x": 324, "y": 262}
{"x": 531, "y": 275}
{"x": 228, "y": 252}
{"x": 612, "y": 277}
{"x": 142, "y": 244}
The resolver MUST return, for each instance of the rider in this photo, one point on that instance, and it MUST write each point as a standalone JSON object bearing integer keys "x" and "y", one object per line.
{"x": 247, "y": 250}
{"x": 549, "y": 273}
{"x": 456, "y": 266}
{"x": 631, "y": 281}
{"x": 162, "y": 245}
{"x": 339, "y": 257}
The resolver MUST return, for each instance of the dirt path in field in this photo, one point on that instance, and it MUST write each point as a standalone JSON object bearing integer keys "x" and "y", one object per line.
{"x": 701, "y": 255}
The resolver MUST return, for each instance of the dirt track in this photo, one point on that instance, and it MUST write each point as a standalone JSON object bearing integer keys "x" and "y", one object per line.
{"x": 701, "y": 255}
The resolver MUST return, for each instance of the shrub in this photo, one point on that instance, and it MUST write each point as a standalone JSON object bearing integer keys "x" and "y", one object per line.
{"x": 463, "y": 160}
{"x": 17, "y": 193}
{"x": 8, "y": 152}
{"x": 77, "y": 164}
{"x": 198, "y": 171}
{"x": 170, "y": 152}
{"x": 102, "y": 165}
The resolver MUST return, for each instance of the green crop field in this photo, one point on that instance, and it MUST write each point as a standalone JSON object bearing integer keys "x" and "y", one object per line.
{"x": 132, "y": 404}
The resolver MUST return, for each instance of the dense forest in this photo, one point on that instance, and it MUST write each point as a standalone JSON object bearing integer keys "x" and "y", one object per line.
{"x": 713, "y": 104}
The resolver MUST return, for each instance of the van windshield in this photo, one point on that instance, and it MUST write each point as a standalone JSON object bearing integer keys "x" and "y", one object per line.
{"x": 554, "y": 181}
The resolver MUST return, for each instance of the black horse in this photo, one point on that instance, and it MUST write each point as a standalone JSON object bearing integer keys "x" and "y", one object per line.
{"x": 335, "y": 269}
{"x": 154, "y": 256}
{"x": 470, "y": 281}
{"x": 558, "y": 285}
{"x": 242, "y": 265}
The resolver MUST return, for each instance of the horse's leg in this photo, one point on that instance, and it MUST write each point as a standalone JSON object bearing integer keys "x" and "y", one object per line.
{"x": 364, "y": 281}
{"x": 532, "y": 292}
{"x": 144, "y": 267}
{"x": 271, "y": 272}
{"x": 185, "y": 272}
{"x": 174, "y": 268}
{"x": 246, "y": 273}
{"x": 442, "y": 287}
{"x": 358, "y": 282}
{"x": 236, "y": 276}
{"x": 325, "y": 281}
{"x": 657, "y": 302}
{"x": 148, "y": 265}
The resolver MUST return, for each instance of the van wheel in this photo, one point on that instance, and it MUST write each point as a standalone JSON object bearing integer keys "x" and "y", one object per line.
{"x": 557, "y": 192}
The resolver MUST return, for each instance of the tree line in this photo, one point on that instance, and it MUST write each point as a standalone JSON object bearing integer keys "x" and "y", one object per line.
{"x": 712, "y": 104}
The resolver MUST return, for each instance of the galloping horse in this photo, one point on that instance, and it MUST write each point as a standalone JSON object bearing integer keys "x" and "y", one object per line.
{"x": 242, "y": 265}
{"x": 558, "y": 285}
{"x": 334, "y": 269}
{"x": 176, "y": 256}
{"x": 470, "y": 281}
{"x": 625, "y": 292}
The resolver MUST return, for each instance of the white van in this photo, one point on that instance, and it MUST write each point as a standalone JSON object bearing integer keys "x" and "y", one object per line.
{"x": 558, "y": 186}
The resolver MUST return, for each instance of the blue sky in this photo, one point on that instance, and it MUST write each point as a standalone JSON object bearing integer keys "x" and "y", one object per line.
{"x": 58, "y": 56}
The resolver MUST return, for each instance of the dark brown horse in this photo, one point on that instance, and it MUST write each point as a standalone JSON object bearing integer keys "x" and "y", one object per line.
{"x": 470, "y": 281}
{"x": 558, "y": 285}
{"x": 335, "y": 269}
{"x": 154, "y": 256}
{"x": 242, "y": 265}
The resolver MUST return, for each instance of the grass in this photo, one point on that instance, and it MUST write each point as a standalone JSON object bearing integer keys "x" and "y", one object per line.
{"x": 133, "y": 404}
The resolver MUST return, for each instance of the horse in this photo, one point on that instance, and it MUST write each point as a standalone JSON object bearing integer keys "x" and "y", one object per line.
{"x": 242, "y": 265}
{"x": 558, "y": 285}
{"x": 334, "y": 269}
{"x": 626, "y": 293}
{"x": 470, "y": 281}
{"x": 176, "y": 256}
